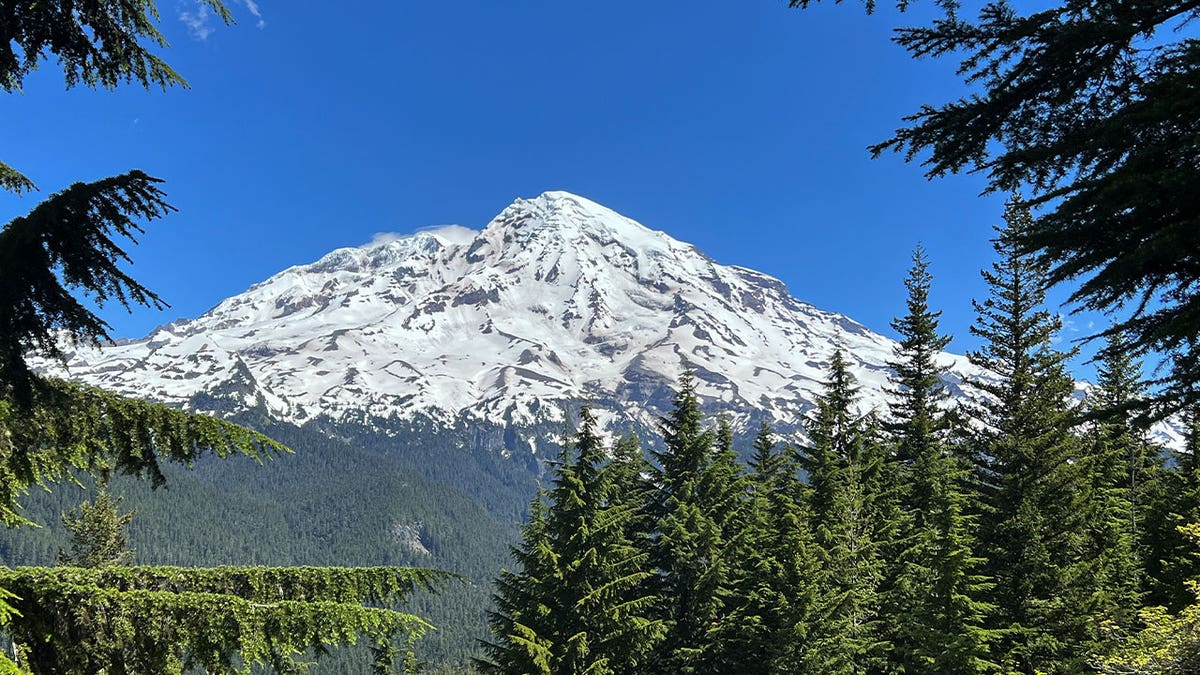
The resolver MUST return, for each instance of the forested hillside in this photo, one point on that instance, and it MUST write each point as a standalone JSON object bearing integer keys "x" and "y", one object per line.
{"x": 328, "y": 504}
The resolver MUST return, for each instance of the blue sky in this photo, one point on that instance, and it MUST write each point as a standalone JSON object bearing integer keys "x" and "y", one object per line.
{"x": 741, "y": 127}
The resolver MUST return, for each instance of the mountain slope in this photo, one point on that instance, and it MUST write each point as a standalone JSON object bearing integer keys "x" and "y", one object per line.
{"x": 557, "y": 300}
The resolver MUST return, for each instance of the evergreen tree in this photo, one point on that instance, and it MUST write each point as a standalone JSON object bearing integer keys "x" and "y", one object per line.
{"x": 1093, "y": 104}
{"x": 773, "y": 585}
{"x": 521, "y": 621}
{"x": 1119, "y": 469}
{"x": 936, "y": 606}
{"x": 1172, "y": 559}
{"x": 114, "y": 618}
{"x": 841, "y": 459}
{"x": 578, "y": 605}
{"x": 99, "y": 533}
{"x": 690, "y": 512}
{"x": 1028, "y": 469}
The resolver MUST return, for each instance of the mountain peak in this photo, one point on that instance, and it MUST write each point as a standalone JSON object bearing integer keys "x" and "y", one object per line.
{"x": 558, "y": 299}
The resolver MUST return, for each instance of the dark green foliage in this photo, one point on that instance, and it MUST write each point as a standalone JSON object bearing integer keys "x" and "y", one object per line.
{"x": 578, "y": 602}
{"x": 70, "y": 426}
{"x": 1121, "y": 470}
{"x": 773, "y": 586}
{"x": 1172, "y": 558}
{"x": 98, "y": 43}
{"x": 1095, "y": 105}
{"x": 935, "y": 599}
{"x": 69, "y": 242}
{"x": 520, "y": 622}
{"x": 693, "y": 516}
{"x": 99, "y": 536}
{"x": 1034, "y": 515}
{"x": 329, "y": 504}
{"x": 845, "y": 469}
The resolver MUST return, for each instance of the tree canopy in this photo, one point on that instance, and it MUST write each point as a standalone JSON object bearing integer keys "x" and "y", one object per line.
{"x": 1094, "y": 107}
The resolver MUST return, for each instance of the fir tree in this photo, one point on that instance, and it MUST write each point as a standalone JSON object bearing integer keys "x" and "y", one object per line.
{"x": 521, "y": 623}
{"x": 1031, "y": 525}
{"x": 690, "y": 514}
{"x": 1120, "y": 469}
{"x": 773, "y": 585}
{"x": 1093, "y": 104}
{"x": 1172, "y": 559}
{"x": 840, "y": 461}
{"x": 578, "y": 604}
{"x": 99, "y": 533}
{"x": 936, "y": 606}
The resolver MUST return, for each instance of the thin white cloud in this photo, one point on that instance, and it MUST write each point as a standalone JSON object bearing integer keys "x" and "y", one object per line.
{"x": 254, "y": 10}
{"x": 386, "y": 238}
{"x": 449, "y": 234}
{"x": 198, "y": 17}
{"x": 198, "y": 20}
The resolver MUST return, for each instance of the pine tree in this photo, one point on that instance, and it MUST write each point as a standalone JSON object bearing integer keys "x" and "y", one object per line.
{"x": 935, "y": 601}
{"x": 690, "y": 513}
{"x": 840, "y": 461}
{"x": 773, "y": 584}
{"x": 578, "y": 604}
{"x": 1120, "y": 468}
{"x": 1028, "y": 470}
{"x": 99, "y": 533}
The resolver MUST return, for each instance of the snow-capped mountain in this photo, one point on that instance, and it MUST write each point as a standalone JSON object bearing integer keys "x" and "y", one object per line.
{"x": 557, "y": 300}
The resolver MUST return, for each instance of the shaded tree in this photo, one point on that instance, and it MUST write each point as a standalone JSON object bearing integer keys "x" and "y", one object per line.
{"x": 1032, "y": 522}
{"x": 1095, "y": 106}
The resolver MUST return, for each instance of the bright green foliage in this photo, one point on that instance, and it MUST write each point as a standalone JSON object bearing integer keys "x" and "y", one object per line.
{"x": 72, "y": 426}
{"x": 13, "y": 180}
{"x": 1169, "y": 644}
{"x": 936, "y": 599}
{"x": 1033, "y": 520}
{"x": 692, "y": 519}
{"x": 521, "y": 622}
{"x": 773, "y": 585}
{"x": 1094, "y": 104}
{"x": 579, "y": 604}
{"x": 844, "y": 463}
{"x": 152, "y": 620}
{"x": 99, "y": 534}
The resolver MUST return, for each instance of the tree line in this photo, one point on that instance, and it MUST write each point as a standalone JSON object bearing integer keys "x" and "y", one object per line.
{"x": 1018, "y": 532}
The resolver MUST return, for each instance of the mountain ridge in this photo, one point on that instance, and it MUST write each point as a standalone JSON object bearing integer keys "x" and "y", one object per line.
{"x": 556, "y": 300}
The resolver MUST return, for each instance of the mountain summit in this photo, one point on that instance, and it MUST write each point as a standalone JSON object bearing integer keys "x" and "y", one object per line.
{"x": 557, "y": 300}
